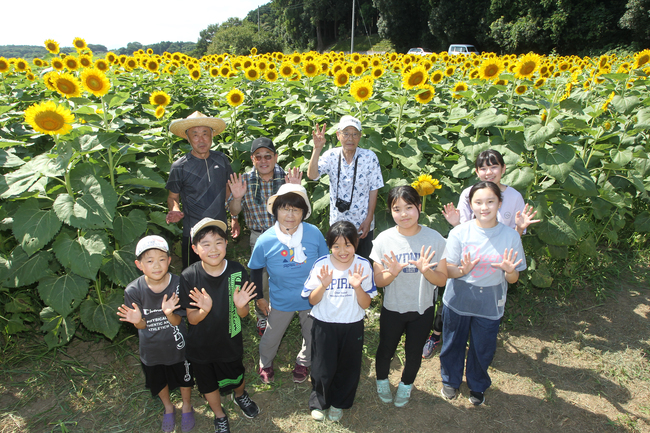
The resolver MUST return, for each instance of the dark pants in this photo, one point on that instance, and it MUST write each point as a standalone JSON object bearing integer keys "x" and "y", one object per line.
{"x": 189, "y": 256}
{"x": 365, "y": 246}
{"x": 391, "y": 327}
{"x": 336, "y": 350}
{"x": 482, "y": 345}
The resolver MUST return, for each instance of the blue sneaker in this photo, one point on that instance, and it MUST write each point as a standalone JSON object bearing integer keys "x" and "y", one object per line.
{"x": 383, "y": 390}
{"x": 403, "y": 394}
{"x": 429, "y": 347}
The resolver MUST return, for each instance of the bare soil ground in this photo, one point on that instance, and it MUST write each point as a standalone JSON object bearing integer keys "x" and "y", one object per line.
{"x": 575, "y": 365}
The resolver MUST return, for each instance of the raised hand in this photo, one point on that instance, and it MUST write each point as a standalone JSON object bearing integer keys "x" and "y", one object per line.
{"x": 201, "y": 299}
{"x": 325, "y": 276}
{"x": 508, "y": 264}
{"x": 242, "y": 297}
{"x": 174, "y": 216}
{"x": 423, "y": 263}
{"x": 467, "y": 264}
{"x": 319, "y": 136}
{"x": 391, "y": 265}
{"x": 237, "y": 185}
{"x": 294, "y": 176}
{"x": 451, "y": 214}
{"x": 131, "y": 315}
{"x": 525, "y": 218}
{"x": 357, "y": 277}
{"x": 170, "y": 305}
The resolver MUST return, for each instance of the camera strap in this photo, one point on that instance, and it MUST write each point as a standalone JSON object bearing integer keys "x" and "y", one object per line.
{"x": 338, "y": 176}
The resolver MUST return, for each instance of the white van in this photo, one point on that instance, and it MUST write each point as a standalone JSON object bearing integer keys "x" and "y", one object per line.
{"x": 462, "y": 49}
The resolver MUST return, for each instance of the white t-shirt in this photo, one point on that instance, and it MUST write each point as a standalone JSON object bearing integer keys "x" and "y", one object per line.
{"x": 410, "y": 290}
{"x": 511, "y": 203}
{"x": 339, "y": 303}
{"x": 481, "y": 292}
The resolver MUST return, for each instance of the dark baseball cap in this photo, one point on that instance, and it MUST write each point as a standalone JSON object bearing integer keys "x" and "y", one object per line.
{"x": 262, "y": 142}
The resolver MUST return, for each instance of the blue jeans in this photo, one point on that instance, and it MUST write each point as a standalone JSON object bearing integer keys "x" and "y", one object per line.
{"x": 482, "y": 345}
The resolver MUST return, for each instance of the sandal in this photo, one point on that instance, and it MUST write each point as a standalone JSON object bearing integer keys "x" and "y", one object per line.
{"x": 187, "y": 421}
{"x": 169, "y": 422}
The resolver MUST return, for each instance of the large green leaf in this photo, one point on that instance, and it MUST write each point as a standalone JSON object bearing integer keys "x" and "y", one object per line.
{"x": 94, "y": 209}
{"x": 145, "y": 176}
{"x": 538, "y": 134}
{"x": 557, "y": 162}
{"x": 160, "y": 219}
{"x": 8, "y": 159}
{"x": 21, "y": 180}
{"x": 83, "y": 255}
{"x": 519, "y": 178}
{"x": 488, "y": 118}
{"x": 620, "y": 158}
{"x": 625, "y": 104}
{"x": 643, "y": 119}
{"x": 120, "y": 267}
{"x": 63, "y": 292}
{"x": 102, "y": 318}
{"x": 642, "y": 222}
{"x": 127, "y": 229}
{"x": 22, "y": 270}
{"x": 556, "y": 230}
{"x": 541, "y": 277}
{"x": 34, "y": 227}
{"x": 580, "y": 183}
{"x": 58, "y": 329}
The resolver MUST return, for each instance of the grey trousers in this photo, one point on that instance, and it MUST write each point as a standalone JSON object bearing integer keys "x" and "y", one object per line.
{"x": 276, "y": 325}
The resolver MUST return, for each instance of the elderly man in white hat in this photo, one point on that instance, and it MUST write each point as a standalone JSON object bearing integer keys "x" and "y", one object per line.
{"x": 199, "y": 179}
{"x": 355, "y": 179}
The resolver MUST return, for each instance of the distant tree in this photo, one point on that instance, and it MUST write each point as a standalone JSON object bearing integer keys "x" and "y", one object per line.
{"x": 98, "y": 48}
{"x": 459, "y": 22}
{"x": 404, "y": 22}
{"x": 637, "y": 19}
{"x": 238, "y": 37}
{"x": 205, "y": 39}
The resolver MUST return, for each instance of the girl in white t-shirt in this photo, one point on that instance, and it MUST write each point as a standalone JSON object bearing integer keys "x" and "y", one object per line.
{"x": 483, "y": 257}
{"x": 514, "y": 213}
{"x": 340, "y": 287}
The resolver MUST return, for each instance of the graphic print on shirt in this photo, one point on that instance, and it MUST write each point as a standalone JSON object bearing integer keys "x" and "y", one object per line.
{"x": 289, "y": 258}
{"x": 160, "y": 323}
{"x": 234, "y": 321}
{"x": 405, "y": 258}
{"x": 339, "y": 288}
{"x": 484, "y": 266}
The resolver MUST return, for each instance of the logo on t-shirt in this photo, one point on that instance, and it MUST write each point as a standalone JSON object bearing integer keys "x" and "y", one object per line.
{"x": 290, "y": 258}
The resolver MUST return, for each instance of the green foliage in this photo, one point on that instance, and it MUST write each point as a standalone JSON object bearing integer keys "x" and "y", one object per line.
{"x": 239, "y": 37}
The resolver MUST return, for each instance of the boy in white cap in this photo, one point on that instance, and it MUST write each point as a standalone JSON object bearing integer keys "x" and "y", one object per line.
{"x": 150, "y": 304}
{"x": 215, "y": 293}
{"x": 355, "y": 179}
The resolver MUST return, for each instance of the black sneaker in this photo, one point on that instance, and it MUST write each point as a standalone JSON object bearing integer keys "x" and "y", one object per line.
{"x": 448, "y": 392}
{"x": 221, "y": 425}
{"x": 476, "y": 398}
{"x": 247, "y": 406}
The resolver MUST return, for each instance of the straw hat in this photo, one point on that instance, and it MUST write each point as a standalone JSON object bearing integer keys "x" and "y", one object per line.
{"x": 286, "y": 189}
{"x": 180, "y": 126}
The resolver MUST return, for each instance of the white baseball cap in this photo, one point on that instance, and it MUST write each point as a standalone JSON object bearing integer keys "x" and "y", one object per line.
{"x": 149, "y": 242}
{"x": 206, "y": 222}
{"x": 349, "y": 121}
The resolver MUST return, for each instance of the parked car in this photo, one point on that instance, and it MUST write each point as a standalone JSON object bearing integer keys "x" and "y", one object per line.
{"x": 462, "y": 49}
{"x": 420, "y": 51}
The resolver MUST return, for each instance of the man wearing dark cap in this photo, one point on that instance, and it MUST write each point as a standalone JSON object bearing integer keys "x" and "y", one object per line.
{"x": 250, "y": 192}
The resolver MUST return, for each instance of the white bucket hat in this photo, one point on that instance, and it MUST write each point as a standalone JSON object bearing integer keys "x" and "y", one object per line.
{"x": 286, "y": 189}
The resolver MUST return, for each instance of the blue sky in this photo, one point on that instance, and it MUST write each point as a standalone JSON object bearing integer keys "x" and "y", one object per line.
{"x": 116, "y": 23}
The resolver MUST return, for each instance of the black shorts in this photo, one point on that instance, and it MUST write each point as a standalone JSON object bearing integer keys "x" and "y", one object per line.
{"x": 157, "y": 377}
{"x": 222, "y": 376}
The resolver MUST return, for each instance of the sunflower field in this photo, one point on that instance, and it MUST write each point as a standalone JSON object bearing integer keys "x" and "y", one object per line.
{"x": 85, "y": 152}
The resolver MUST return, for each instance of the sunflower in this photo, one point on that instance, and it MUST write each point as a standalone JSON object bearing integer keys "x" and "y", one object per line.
{"x": 247, "y": 63}
{"x": 160, "y": 98}
{"x": 49, "y": 79}
{"x": 271, "y": 75}
{"x": 608, "y": 101}
{"x": 641, "y": 58}
{"x": 540, "y": 82}
{"x": 214, "y": 72}
{"x": 341, "y": 78}
{"x": 296, "y": 76}
{"x": 160, "y": 112}
{"x": 57, "y": 64}
{"x": 415, "y": 77}
{"x": 52, "y": 46}
{"x": 377, "y": 72}
{"x": 67, "y": 85}
{"x": 224, "y": 71}
{"x": 79, "y": 44}
{"x": 235, "y": 98}
{"x": 262, "y": 65}
{"x": 37, "y": 62}
{"x": 149, "y": 51}
{"x": 490, "y": 69}
{"x": 252, "y": 74}
{"x": 355, "y": 57}
{"x": 623, "y": 68}
{"x": 151, "y": 65}
{"x": 95, "y": 81}
{"x": 361, "y": 90}
{"x": 30, "y": 76}
{"x": 357, "y": 69}
{"x": 71, "y": 63}
{"x": 544, "y": 115}
{"x": 195, "y": 74}
{"x": 450, "y": 71}
{"x": 253, "y": 51}
{"x": 437, "y": 76}
{"x": 21, "y": 65}
{"x": 603, "y": 61}
{"x": 376, "y": 61}
{"x": 111, "y": 57}
{"x": 521, "y": 89}
{"x": 286, "y": 70}
{"x": 527, "y": 65}
{"x": 425, "y": 94}
{"x": 49, "y": 118}
{"x": 130, "y": 63}
{"x": 459, "y": 87}
{"x": 102, "y": 65}
{"x": 426, "y": 185}
{"x": 295, "y": 58}
{"x": 85, "y": 61}
{"x": 311, "y": 69}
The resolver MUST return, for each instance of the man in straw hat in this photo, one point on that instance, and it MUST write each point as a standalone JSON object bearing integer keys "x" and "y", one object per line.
{"x": 199, "y": 179}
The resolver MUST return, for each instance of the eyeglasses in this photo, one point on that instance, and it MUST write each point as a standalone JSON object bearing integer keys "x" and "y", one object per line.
{"x": 265, "y": 157}
{"x": 290, "y": 210}
{"x": 353, "y": 135}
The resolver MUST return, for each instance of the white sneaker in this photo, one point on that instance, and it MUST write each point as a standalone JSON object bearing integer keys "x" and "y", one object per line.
{"x": 318, "y": 414}
{"x": 335, "y": 414}
{"x": 383, "y": 390}
{"x": 403, "y": 394}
